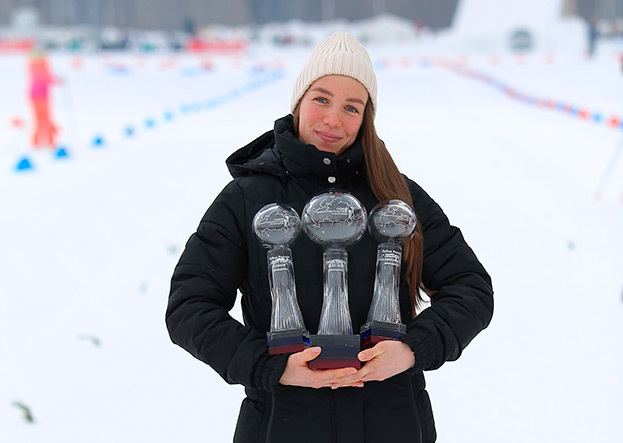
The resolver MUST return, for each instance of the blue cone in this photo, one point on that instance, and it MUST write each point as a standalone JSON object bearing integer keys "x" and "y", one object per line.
{"x": 61, "y": 152}
{"x": 98, "y": 142}
{"x": 129, "y": 131}
{"x": 24, "y": 165}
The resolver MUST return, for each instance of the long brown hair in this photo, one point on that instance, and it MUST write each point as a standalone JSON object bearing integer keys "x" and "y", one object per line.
{"x": 388, "y": 183}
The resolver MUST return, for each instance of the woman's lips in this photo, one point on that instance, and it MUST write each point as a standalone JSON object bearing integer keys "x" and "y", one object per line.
{"x": 327, "y": 138}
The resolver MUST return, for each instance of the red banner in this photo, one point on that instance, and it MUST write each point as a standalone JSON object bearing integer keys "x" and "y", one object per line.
{"x": 216, "y": 45}
{"x": 16, "y": 44}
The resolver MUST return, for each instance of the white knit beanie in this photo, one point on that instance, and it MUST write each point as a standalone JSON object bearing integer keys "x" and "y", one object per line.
{"x": 341, "y": 54}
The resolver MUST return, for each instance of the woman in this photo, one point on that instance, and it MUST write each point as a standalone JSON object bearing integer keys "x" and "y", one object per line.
{"x": 329, "y": 141}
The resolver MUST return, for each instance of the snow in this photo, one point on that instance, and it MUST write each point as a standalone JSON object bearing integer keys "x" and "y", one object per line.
{"x": 88, "y": 242}
{"x": 473, "y": 15}
{"x": 487, "y": 25}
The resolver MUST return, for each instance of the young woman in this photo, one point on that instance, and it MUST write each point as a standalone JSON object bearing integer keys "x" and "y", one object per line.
{"x": 328, "y": 142}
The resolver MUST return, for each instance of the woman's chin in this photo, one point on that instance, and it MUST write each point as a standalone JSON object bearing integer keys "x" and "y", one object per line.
{"x": 324, "y": 148}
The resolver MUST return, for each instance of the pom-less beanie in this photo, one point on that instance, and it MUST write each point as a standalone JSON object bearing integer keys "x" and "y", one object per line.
{"x": 341, "y": 54}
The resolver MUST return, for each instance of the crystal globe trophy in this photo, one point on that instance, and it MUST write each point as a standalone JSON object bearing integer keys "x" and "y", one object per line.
{"x": 335, "y": 220}
{"x": 276, "y": 227}
{"x": 391, "y": 222}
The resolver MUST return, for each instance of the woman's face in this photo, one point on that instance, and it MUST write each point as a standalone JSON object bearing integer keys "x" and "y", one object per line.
{"x": 331, "y": 112}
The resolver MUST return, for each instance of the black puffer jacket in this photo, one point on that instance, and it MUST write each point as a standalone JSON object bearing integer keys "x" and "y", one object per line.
{"x": 223, "y": 257}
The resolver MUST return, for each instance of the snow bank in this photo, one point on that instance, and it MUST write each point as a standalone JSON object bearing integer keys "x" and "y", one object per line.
{"x": 502, "y": 25}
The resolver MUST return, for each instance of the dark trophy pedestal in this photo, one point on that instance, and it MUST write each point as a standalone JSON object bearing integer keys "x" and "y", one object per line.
{"x": 376, "y": 331}
{"x": 338, "y": 351}
{"x": 282, "y": 342}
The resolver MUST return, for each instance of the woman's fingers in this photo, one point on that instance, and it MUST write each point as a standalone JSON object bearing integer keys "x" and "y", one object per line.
{"x": 356, "y": 384}
{"x": 329, "y": 377}
{"x": 371, "y": 353}
{"x": 308, "y": 354}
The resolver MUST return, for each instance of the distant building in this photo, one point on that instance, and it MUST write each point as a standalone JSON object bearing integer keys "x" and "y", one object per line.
{"x": 176, "y": 15}
{"x": 169, "y": 15}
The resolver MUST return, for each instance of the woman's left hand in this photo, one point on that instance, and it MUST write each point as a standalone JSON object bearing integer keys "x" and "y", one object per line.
{"x": 382, "y": 361}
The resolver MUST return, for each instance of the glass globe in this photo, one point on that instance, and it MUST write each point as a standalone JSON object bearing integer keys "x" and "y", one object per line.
{"x": 392, "y": 220}
{"x": 276, "y": 225}
{"x": 334, "y": 219}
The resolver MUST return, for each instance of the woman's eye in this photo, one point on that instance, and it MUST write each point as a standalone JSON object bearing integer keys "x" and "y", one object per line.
{"x": 321, "y": 99}
{"x": 351, "y": 109}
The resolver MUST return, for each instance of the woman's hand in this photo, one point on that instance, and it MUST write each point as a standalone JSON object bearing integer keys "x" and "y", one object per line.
{"x": 382, "y": 361}
{"x": 297, "y": 372}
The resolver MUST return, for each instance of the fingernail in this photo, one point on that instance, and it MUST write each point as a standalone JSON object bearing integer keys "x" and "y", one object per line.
{"x": 316, "y": 350}
{"x": 361, "y": 356}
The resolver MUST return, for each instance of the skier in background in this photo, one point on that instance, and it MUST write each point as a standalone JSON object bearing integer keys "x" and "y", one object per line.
{"x": 593, "y": 35}
{"x": 41, "y": 78}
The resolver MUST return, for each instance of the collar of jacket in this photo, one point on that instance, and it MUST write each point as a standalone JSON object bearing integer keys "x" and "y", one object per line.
{"x": 279, "y": 152}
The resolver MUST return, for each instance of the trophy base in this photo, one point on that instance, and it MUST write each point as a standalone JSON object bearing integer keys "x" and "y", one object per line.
{"x": 292, "y": 340}
{"x": 338, "y": 351}
{"x": 376, "y": 331}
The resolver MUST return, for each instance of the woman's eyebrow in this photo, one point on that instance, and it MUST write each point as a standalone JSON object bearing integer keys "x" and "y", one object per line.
{"x": 323, "y": 91}
{"x": 330, "y": 94}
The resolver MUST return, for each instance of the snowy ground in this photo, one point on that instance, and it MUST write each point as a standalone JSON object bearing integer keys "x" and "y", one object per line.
{"x": 88, "y": 242}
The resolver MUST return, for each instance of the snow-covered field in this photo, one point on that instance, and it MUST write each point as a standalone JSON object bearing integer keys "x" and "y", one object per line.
{"x": 88, "y": 242}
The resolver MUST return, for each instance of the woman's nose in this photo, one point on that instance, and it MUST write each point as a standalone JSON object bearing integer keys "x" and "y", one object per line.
{"x": 332, "y": 119}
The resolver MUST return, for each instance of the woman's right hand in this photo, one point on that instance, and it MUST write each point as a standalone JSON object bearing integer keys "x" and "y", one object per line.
{"x": 298, "y": 373}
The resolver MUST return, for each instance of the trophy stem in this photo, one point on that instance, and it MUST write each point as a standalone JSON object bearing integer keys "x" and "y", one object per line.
{"x": 335, "y": 317}
{"x": 286, "y": 314}
{"x": 384, "y": 321}
{"x": 385, "y": 301}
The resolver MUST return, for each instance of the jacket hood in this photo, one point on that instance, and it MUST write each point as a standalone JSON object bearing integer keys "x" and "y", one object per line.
{"x": 279, "y": 152}
{"x": 258, "y": 156}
